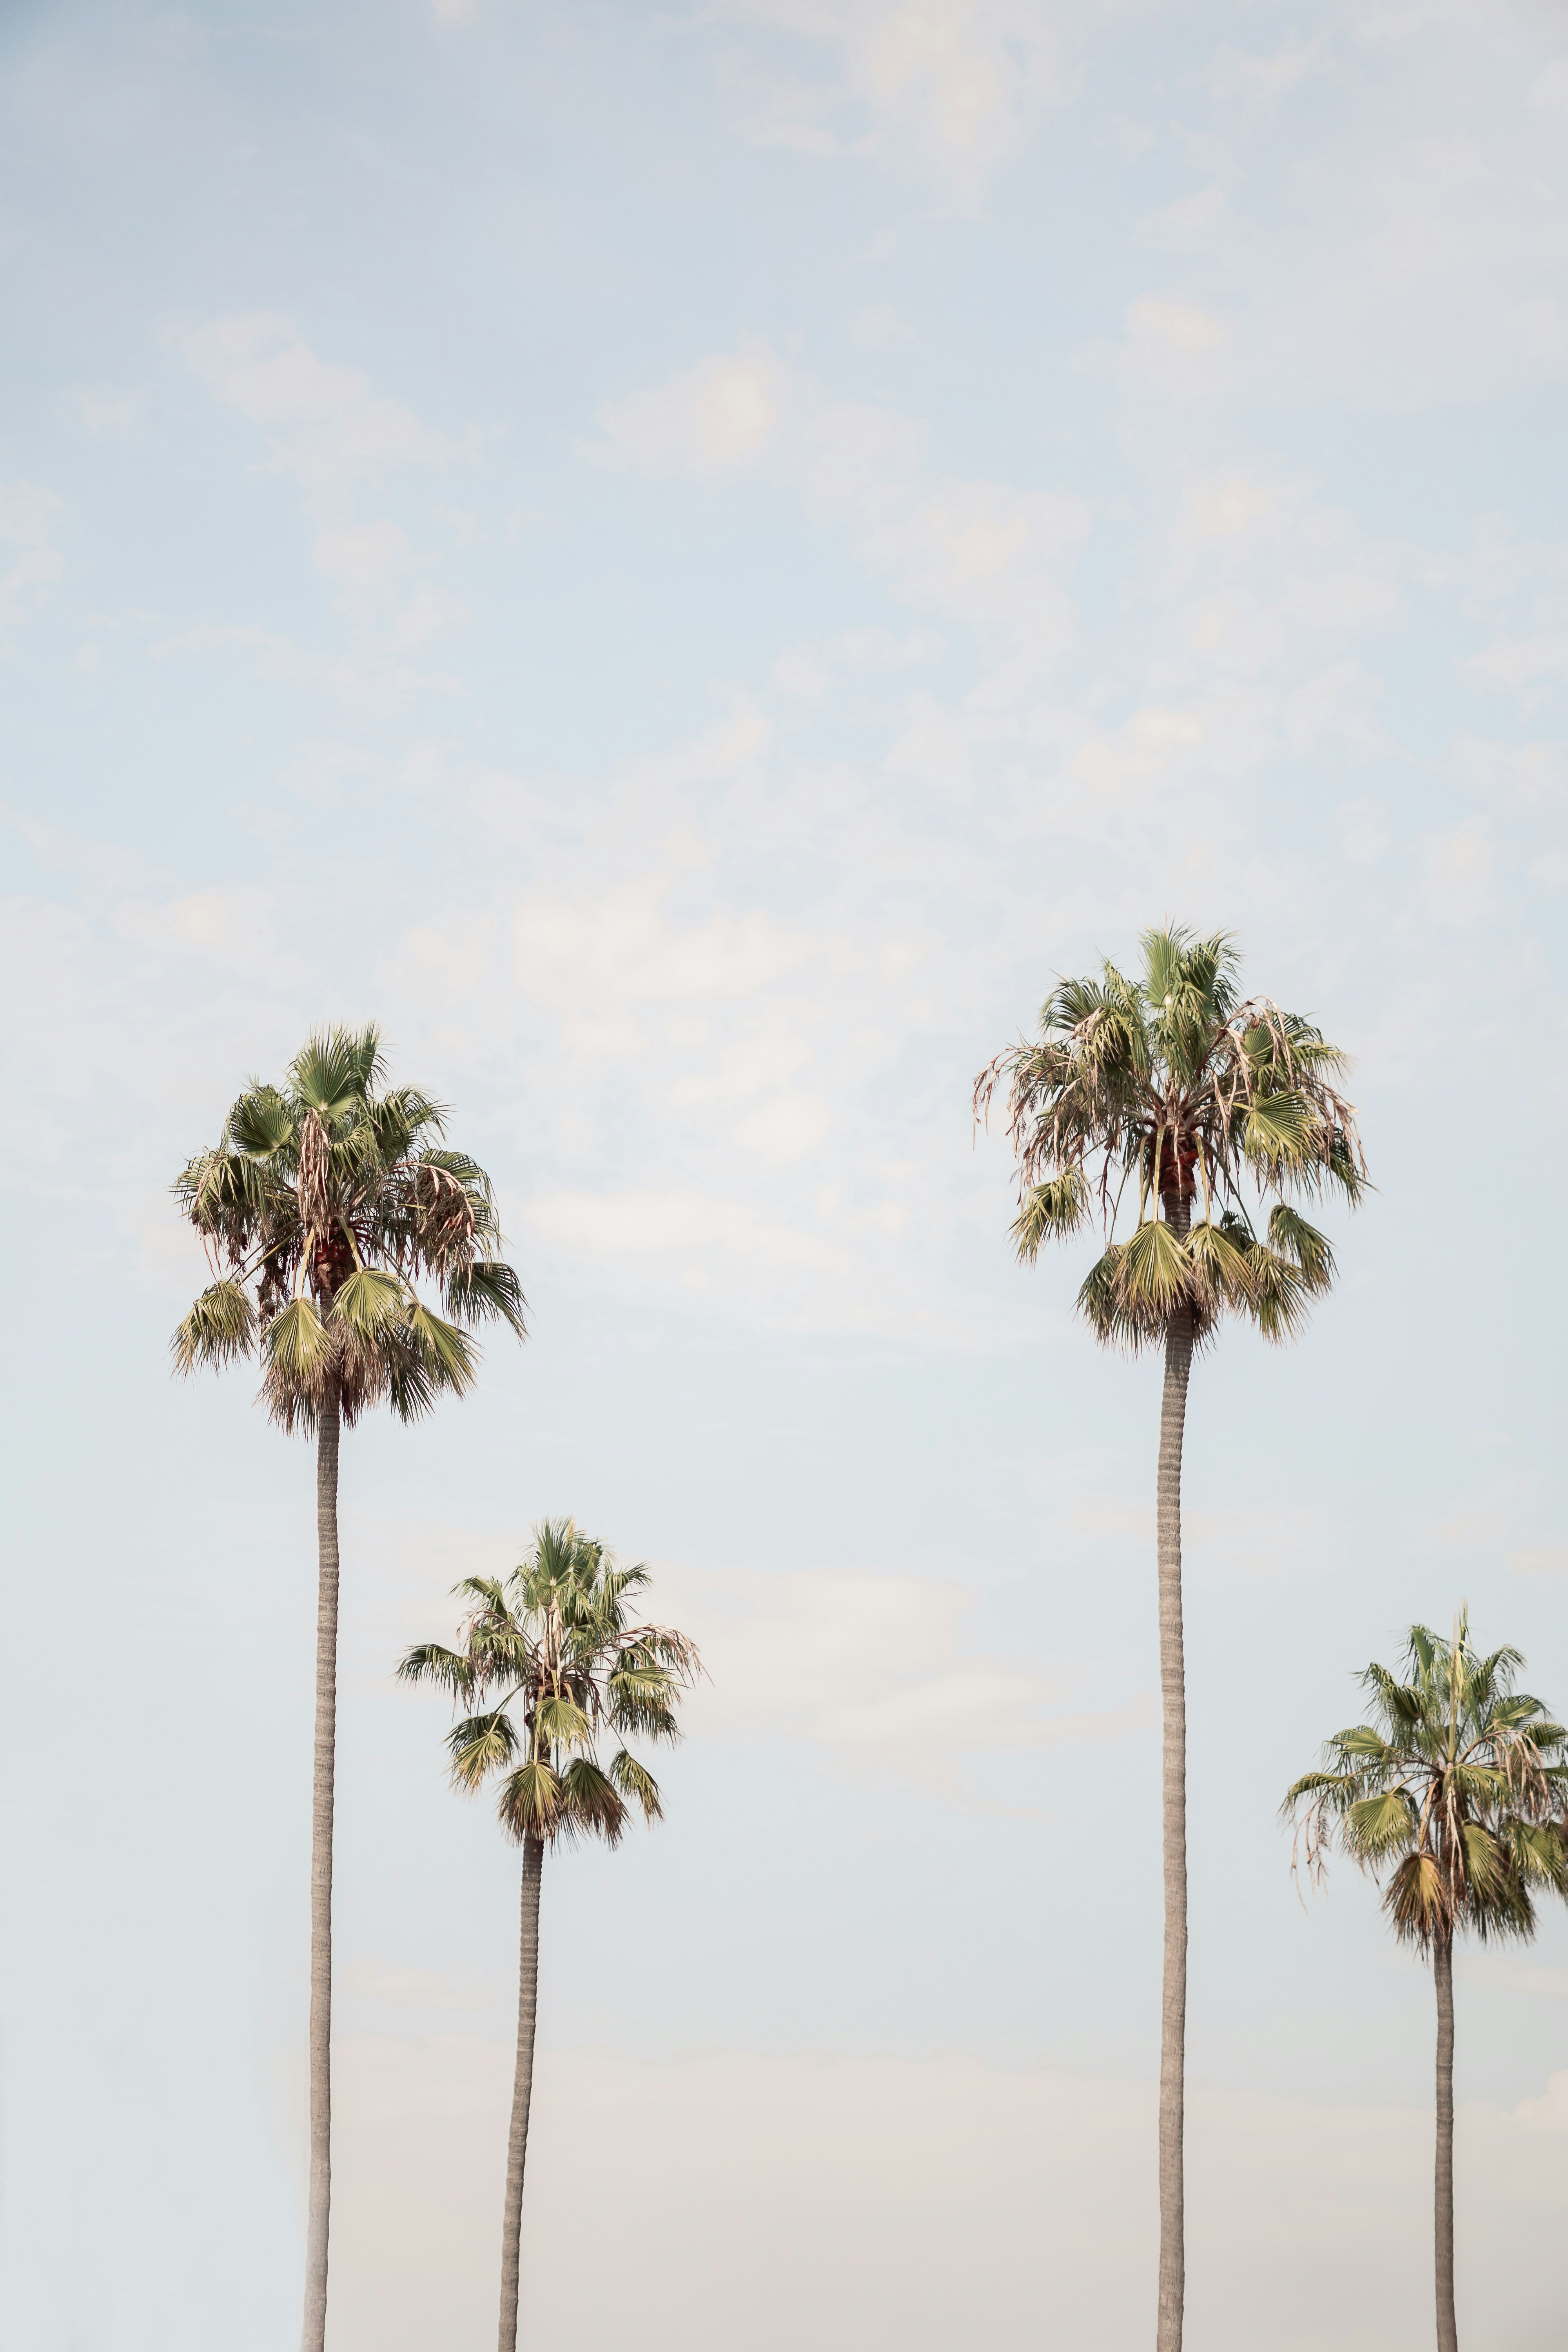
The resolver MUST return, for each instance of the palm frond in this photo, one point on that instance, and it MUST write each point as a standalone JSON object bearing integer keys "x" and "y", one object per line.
{"x": 480, "y": 1746}
{"x": 487, "y": 1288}
{"x": 219, "y": 1328}
{"x": 637, "y": 1784}
{"x": 1050, "y": 1212}
{"x": 591, "y": 1804}
{"x": 372, "y": 1302}
{"x": 295, "y": 1345}
{"x": 529, "y": 1804}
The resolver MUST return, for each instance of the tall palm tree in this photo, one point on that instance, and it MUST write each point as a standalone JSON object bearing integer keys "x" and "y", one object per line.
{"x": 1176, "y": 1092}
{"x": 322, "y": 1205}
{"x": 556, "y": 1640}
{"x": 1457, "y": 1790}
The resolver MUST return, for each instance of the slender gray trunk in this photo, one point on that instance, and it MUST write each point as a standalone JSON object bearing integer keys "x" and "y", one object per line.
{"x": 521, "y": 2091}
{"x": 1442, "y": 2215}
{"x": 1174, "y": 1694}
{"x": 319, "y": 2213}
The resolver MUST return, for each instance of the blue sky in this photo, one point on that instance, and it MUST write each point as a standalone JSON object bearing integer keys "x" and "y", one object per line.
{"x": 687, "y": 561}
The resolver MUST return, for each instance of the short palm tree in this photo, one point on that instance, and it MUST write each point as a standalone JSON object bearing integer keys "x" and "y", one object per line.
{"x": 557, "y": 1642}
{"x": 324, "y": 1201}
{"x": 1176, "y": 1095}
{"x": 1455, "y": 1790}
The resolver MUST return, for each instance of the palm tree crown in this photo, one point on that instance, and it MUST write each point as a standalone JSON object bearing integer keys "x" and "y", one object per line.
{"x": 1178, "y": 1084}
{"x": 557, "y": 1639}
{"x": 1456, "y": 1789}
{"x": 324, "y": 1201}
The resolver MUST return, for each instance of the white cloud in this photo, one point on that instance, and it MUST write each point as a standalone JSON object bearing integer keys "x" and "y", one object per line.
{"x": 1459, "y": 874}
{"x": 786, "y": 1128}
{"x": 989, "y": 554}
{"x": 606, "y": 951}
{"x": 686, "y": 1224}
{"x": 1336, "y": 703}
{"x": 1171, "y": 345}
{"x": 1519, "y": 662}
{"x": 876, "y": 1668}
{"x": 952, "y": 85}
{"x": 1246, "y": 86}
{"x": 363, "y": 555}
{"x": 27, "y": 521}
{"x": 104, "y": 415}
{"x": 1364, "y": 833}
{"x": 717, "y": 418}
{"x": 326, "y": 426}
{"x": 1550, "y": 2112}
{"x": 877, "y": 325}
{"x": 1528, "y": 774}
{"x": 412, "y": 1987}
{"x": 1550, "y": 88}
{"x": 231, "y": 926}
{"x": 453, "y": 950}
{"x": 1541, "y": 1559}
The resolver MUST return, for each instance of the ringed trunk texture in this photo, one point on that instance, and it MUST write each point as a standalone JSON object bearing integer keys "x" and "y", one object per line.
{"x": 521, "y": 2090}
{"x": 1443, "y": 2233}
{"x": 1173, "y": 1793}
{"x": 319, "y": 2213}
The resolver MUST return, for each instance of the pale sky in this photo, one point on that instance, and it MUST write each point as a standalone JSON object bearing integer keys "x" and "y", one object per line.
{"x": 687, "y": 560}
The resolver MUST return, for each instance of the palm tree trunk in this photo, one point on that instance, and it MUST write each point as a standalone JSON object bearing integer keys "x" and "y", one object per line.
{"x": 1443, "y": 1969}
{"x": 521, "y": 2091}
{"x": 1174, "y": 1694}
{"x": 319, "y": 2209}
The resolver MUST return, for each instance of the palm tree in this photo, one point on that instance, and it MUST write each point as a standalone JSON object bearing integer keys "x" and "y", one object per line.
{"x": 555, "y": 1640}
{"x": 1457, "y": 1790}
{"x": 1178, "y": 1087}
{"x": 322, "y": 1205}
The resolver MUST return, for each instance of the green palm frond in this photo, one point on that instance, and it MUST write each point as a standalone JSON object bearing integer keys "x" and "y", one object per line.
{"x": 637, "y": 1784}
{"x": 529, "y": 1804}
{"x": 591, "y": 1804}
{"x": 1292, "y": 1237}
{"x": 336, "y": 1069}
{"x": 432, "y": 1661}
{"x": 295, "y": 1346}
{"x": 1154, "y": 1273}
{"x": 561, "y": 1722}
{"x": 370, "y": 1303}
{"x": 488, "y": 1288}
{"x": 481, "y": 1745}
{"x": 1222, "y": 1258}
{"x": 261, "y": 1124}
{"x": 448, "y": 1355}
{"x": 1050, "y": 1212}
{"x": 1379, "y": 1825}
{"x": 220, "y": 1328}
